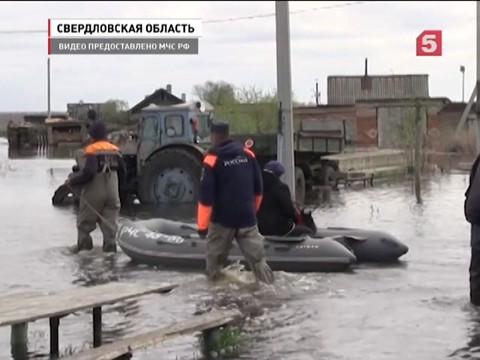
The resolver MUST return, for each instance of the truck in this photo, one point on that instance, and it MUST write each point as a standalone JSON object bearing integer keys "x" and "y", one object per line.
{"x": 164, "y": 166}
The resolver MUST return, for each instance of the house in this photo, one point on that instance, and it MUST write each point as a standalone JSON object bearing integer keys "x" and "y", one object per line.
{"x": 159, "y": 97}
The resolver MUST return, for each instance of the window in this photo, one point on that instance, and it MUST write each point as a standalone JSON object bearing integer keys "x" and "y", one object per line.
{"x": 174, "y": 125}
{"x": 203, "y": 126}
{"x": 150, "y": 127}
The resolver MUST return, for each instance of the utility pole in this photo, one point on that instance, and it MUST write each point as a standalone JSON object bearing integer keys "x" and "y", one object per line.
{"x": 285, "y": 146}
{"x": 462, "y": 70}
{"x": 478, "y": 80}
{"x": 316, "y": 92}
{"x": 48, "y": 89}
{"x": 418, "y": 146}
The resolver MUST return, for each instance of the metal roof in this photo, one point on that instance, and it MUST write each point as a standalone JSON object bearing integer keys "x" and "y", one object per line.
{"x": 347, "y": 90}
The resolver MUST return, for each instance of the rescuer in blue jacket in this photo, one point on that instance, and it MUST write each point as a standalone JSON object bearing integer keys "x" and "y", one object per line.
{"x": 472, "y": 215}
{"x": 230, "y": 196}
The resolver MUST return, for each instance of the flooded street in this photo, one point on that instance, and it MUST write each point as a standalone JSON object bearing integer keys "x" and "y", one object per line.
{"x": 416, "y": 310}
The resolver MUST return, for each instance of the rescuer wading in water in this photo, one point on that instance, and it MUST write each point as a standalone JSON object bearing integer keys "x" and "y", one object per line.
{"x": 99, "y": 180}
{"x": 230, "y": 196}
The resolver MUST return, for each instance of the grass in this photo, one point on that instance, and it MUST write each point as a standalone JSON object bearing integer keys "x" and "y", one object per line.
{"x": 227, "y": 344}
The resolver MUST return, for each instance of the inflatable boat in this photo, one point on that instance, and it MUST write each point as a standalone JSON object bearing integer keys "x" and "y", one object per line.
{"x": 172, "y": 244}
{"x": 367, "y": 245}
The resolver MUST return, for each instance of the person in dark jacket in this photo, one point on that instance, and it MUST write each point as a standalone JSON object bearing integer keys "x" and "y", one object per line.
{"x": 278, "y": 215}
{"x": 230, "y": 196}
{"x": 99, "y": 199}
{"x": 472, "y": 215}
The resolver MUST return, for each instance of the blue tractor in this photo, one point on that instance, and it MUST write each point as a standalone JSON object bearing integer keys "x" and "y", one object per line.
{"x": 165, "y": 162}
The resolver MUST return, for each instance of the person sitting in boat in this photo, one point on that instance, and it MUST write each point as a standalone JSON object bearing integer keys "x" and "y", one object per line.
{"x": 278, "y": 215}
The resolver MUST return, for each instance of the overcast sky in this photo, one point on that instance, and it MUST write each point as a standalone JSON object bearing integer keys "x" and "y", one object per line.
{"x": 325, "y": 41}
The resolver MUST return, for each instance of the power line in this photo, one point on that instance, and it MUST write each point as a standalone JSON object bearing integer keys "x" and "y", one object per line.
{"x": 224, "y": 20}
{"x": 328, "y": 7}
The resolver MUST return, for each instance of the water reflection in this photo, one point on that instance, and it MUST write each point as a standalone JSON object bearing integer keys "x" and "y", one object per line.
{"x": 472, "y": 348}
{"x": 94, "y": 268}
{"x": 49, "y": 152}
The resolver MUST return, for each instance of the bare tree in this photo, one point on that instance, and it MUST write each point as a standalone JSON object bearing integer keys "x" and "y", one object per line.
{"x": 253, "y": 95}
{"x": 215, "y": 93}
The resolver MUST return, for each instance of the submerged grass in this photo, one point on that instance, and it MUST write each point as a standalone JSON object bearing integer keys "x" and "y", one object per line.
{"x": 227, "y": 343}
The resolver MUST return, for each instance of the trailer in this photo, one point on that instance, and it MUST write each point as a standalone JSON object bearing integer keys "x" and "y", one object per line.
{"x": 311, "y": 169}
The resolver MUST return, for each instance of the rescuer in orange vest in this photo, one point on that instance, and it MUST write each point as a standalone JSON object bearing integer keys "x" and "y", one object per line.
{"x": 230, "y": 196}
{"x": 100, "y": 198}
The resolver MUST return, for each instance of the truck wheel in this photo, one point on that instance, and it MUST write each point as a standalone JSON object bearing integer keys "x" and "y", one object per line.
{"x": 328, "y": 176}
{"x": 170, "y": 176}
{"x": 299, "y": 185}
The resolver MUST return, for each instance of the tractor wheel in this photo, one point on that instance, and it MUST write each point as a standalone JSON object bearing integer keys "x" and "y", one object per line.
{"x": 170, "y": 176}
{"x": 299, "y": 185}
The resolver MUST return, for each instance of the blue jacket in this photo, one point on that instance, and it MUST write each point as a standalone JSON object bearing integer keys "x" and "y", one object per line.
{"x": 231, "y": 187}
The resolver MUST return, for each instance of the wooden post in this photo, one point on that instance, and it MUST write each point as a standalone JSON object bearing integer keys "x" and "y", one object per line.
{"x": 418, "y": 143}
{"x": 97, "y": 326}
{"x": 54, "y": 337}
{"x": 19, "y": 341}
{"x": 211, "y": 338}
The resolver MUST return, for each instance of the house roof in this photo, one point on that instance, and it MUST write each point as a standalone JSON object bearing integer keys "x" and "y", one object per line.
{"x": 183, "y": 106}
{"x": 158, "y": 97}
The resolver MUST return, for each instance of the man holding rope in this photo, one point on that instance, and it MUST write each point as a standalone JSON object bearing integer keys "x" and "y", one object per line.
{"x": 100, "y": 198}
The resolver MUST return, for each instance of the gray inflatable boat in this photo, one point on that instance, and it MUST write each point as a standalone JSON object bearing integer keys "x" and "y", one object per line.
{"x": 368, "y": 245}
{"x": 171, "y": 244}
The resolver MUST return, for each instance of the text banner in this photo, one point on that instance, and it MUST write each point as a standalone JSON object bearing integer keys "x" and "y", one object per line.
{"x": 119, "y": 46}
{"x": 125, "y": 28}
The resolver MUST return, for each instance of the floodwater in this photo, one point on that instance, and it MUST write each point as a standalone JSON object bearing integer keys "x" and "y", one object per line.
{"x": 416, "y": 310}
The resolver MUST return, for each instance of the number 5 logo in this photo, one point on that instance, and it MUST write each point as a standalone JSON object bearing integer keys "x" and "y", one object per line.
{"x": 429, "y": 43}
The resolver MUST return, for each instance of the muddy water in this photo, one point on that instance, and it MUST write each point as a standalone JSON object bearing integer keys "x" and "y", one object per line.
{"x": 416, "y": 310}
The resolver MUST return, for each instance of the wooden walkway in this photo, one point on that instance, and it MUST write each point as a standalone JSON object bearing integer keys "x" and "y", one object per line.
{"x": 19, "y": 309}
{"x": 207, "y": 323}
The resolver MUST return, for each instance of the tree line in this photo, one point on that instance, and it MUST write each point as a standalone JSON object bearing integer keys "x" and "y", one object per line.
{"x": 248, "y": 109}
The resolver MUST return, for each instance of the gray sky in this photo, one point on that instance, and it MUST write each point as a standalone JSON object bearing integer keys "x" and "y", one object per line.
{"x": 325, "y": 41}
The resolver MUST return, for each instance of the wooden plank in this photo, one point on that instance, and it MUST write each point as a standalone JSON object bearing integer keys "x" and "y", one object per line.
{"x": 14, "y": 301}
{"x": 68, "y": 301}
{"x": 202, "y": 322}
{"x": 14, "y": 298}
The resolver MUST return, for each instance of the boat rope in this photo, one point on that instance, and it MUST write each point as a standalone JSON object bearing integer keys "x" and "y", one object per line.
{"x": 100, "y": 216}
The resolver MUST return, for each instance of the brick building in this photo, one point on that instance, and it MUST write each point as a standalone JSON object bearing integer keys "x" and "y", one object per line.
{"x": 370, "y": 110}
